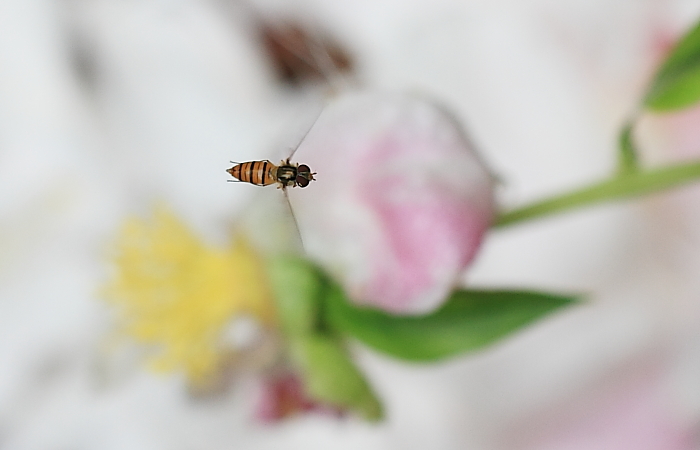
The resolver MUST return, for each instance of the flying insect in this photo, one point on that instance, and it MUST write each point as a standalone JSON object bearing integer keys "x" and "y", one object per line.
{"x": 264, "y": 173}
{"x": 286, "y": 175}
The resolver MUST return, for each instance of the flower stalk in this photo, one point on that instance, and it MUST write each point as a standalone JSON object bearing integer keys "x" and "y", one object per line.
{"x": 621, "y": 186}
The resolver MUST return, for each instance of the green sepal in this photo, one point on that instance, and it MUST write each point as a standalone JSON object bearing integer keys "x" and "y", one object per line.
{"x": 328, "y": 373}
{"x": 627, "y": 155}
{"x": 297, "y": 287}
{"x": 331, "y": 377}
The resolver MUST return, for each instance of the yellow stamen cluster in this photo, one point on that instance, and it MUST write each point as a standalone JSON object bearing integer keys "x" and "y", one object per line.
{"x": 179, "y": 295}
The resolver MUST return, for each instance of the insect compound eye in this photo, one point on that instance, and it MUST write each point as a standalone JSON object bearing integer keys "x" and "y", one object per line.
{"x": 301, "y": 181}
{"x": 303, "y": 168}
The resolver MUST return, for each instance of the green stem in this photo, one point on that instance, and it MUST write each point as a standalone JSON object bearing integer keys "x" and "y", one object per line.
{"x": 619, "y": 187}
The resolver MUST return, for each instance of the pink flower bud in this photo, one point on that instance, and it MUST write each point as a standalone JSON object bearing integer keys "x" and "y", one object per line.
{"x": 401, "y": 201}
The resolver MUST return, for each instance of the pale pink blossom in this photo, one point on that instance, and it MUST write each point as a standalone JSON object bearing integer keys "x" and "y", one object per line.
{"x": 401, "y": 201}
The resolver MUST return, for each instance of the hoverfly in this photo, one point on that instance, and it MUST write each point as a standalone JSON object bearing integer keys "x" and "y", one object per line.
{"x": 286, "y": 174}
{"x": 264, "y": 173}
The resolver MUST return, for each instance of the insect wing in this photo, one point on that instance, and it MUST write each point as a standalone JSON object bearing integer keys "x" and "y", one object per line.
{"x": 308, "y": 130}
{"x": 294, "y": 218}
{"x": 271, "y": 224}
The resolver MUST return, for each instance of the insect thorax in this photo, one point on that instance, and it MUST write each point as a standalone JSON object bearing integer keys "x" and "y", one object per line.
{"x": 286, "y": 174}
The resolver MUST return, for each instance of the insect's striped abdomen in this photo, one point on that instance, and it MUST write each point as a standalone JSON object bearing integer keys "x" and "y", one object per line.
{"x": 254, "y": 172}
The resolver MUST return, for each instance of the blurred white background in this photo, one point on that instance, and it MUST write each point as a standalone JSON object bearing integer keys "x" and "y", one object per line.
{"x": 109, "y": 106}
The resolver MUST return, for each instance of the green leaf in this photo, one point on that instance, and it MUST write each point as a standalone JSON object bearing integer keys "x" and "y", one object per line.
{"x": 676, "y": 84}
{"x": 297, "y": 287}
{"x": 331, "y": 377}
{"x": 468, "y": 321}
